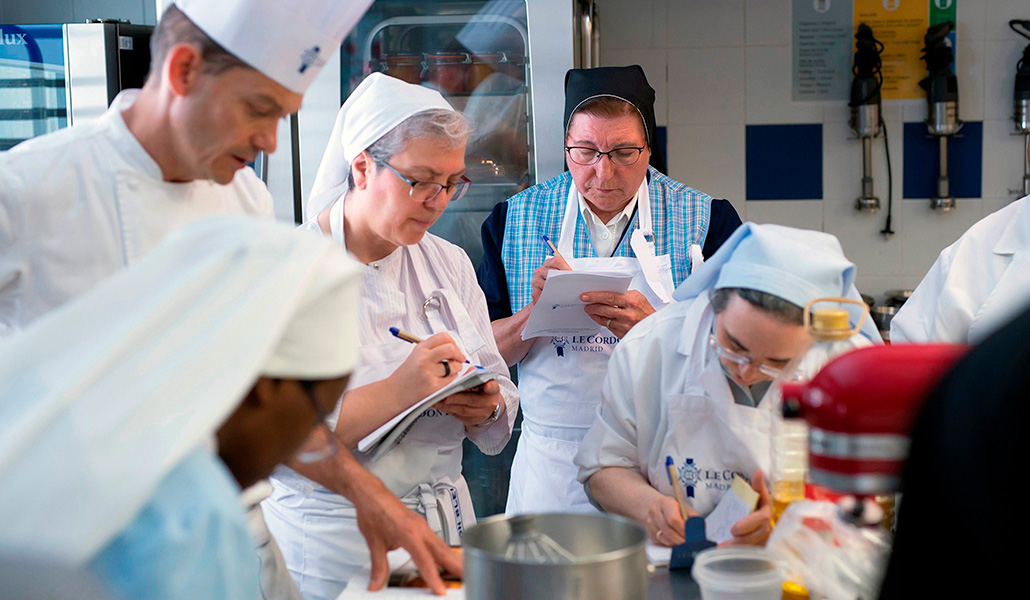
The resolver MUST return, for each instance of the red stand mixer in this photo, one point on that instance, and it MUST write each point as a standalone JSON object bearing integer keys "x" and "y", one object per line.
{"x": 861, "y": 408}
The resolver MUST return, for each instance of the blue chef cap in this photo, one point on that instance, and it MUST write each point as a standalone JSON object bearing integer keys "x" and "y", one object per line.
{"x": 797, "y": 265}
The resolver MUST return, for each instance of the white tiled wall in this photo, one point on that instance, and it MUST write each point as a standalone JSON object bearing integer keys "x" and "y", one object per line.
{"x": 720, "y": 65}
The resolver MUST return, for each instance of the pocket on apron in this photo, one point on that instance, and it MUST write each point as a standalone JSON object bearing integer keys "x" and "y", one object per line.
{"x": 547, "y": 476}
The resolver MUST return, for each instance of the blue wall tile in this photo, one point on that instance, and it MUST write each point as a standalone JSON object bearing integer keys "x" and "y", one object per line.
{"x": 922, "y": 163}
{"x": 784, "y": 162}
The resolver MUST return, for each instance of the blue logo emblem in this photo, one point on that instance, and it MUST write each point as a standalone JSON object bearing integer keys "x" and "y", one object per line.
{"x": 308, "y": 58}
{"x": 690, "y": 476}
{"x": 559, "y": 345}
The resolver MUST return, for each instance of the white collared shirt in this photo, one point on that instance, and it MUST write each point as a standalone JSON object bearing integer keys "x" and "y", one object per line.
{"x": 604, "y": 236}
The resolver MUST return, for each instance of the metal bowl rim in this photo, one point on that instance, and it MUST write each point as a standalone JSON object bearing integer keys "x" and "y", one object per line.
{"x": 591, "y": 560}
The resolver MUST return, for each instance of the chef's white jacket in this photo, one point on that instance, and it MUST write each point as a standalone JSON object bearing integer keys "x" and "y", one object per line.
{"x": 82, "y": 203}
{"x": 977, "y": 284}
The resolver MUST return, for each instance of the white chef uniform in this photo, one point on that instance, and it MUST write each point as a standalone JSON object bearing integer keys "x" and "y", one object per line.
{"x": 317, "y": 529}
{"x": 666, "y": 393}
{"x": 80, "y": 204}
{"x": 976, "y": 285}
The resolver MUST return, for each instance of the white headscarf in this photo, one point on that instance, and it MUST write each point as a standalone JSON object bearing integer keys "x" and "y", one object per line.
{"x": 102, "y": 398}
{"x": 288, "y": 41}
{"x": 376, "y": 106}
{"x": 797, "y": 265}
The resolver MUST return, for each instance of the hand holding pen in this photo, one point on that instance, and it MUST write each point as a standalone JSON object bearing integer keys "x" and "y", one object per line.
{"x": 556, "y": 262}
{"x": 667, "y": 516}
{"x": 414, "y": 339}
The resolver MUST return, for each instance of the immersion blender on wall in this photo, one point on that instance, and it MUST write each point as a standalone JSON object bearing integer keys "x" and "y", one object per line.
{"x": 941, "y": 88}
{"x": 867, "y": 120}
{"x": 1021, "y": 108}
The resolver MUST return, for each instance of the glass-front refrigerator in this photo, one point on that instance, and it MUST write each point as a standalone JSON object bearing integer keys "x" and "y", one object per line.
{"x": 52, "y": 76}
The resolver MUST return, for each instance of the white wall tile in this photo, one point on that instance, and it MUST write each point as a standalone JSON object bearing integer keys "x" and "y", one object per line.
{"x": 969, "y": 68}
{"x": 660, "y": 30}
{"x": 993, "y": 205}
{"x": 858, "y": 232}
{"x": 629, "y": 24}
{"x": 711, "y": 159}
{"x": 805, "y": 214}
{"x": 1003, "y": 158}
{"x": 970, "y": 15}
{"x": 1000, "y": 75}
{"x": 768, "y": 89}
{"x": 701, "y": 23}
{"x": 928, "y": 231}
{"x": 654, "y": 65}
{"x": 706, "y": 85}
{"x": 997, "y": 15}
{"x": 767, "y": 22}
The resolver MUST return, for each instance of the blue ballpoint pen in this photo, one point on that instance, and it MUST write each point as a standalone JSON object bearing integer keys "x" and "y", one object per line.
{"x": 407, "y": 337}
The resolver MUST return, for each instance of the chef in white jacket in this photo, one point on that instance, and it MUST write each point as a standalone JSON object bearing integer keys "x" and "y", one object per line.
{"x": 395, "y": 160}
{"x": 131, "y": 417}
{"x": 690, "y": 381}
{"x": 81, "y": 203}
{"x": 976, "y": 285}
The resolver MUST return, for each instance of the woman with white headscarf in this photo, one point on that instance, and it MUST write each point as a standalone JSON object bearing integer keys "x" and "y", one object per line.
{"x": 112, "y": 407}
{"x": 689, "y": 382}
{"x": 394, "y": 162}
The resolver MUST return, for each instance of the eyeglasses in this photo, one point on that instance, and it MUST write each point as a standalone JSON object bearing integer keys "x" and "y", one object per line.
{"x": 424, "y": 191}
{"x": 622, "y": 157}
{"x": 740, "y": 359}
{"x": 321, "y": 442}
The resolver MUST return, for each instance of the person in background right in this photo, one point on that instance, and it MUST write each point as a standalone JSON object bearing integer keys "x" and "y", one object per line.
{"x": 692, "y": 382}
{"x": 967, "y": 446}
{"x": 977, "y": 284}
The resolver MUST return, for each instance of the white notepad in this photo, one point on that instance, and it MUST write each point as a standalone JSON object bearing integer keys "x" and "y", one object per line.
{"x": 390, "y": 433}
{"x": 559, "y": 311}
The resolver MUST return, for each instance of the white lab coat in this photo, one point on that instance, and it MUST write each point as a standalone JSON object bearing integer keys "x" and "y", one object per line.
{"x": 666, "y": 395}
{"x": 977, "y": 284}
{"x": 82, "y": 203}
{"x": 316, "y": 528}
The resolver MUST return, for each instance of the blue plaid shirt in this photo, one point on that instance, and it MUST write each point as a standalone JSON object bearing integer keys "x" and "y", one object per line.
{"x": 680, "y": 216}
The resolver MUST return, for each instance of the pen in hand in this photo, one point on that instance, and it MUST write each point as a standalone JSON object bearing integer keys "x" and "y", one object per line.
{"x": 414, "y": 339}
{"x": 554, "y": 250}
{"x": 670, "y": 467}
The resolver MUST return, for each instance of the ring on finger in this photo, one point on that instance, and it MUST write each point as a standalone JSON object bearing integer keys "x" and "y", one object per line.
{"x": 446, "y": 369}
{"x": 608, "y": 325}
{"x": 658, "y": 536}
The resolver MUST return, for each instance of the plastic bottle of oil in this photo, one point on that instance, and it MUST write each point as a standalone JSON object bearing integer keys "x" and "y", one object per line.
{"x": 831, "y": 335}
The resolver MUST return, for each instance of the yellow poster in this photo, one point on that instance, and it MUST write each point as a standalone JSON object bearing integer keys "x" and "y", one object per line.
{"x": 900, "y": 26}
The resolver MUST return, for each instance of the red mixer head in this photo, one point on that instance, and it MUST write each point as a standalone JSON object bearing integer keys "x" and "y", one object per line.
{"x": 860, "y": 409}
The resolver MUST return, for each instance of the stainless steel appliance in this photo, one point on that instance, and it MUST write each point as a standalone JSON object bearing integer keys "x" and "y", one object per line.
{"x": 601, "y": 556}
{"x": 942, "y": 119}
{"x": 52, "y": 76}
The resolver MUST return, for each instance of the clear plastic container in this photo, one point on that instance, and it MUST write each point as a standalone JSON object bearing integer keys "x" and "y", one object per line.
{"x": 738, "y": 573}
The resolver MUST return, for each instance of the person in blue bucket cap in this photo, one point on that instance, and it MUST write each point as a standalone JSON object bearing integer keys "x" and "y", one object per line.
{"x": 690, "y": 382}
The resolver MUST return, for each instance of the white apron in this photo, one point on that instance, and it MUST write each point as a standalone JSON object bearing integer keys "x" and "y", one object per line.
{"x": 560, "y": 378}
{"x": 317, "y": 529}
{"x": 709, "y": 436}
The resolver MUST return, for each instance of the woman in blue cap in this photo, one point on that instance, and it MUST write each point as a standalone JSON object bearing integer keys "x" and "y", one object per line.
{"x": 689, "y": 382}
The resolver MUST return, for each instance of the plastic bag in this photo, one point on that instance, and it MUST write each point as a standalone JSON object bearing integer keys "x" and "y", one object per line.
{"x": 830, "y": 557}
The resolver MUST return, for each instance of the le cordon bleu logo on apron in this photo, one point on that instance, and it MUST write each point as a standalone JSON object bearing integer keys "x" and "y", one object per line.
{"x": 12, "y": 39}
{"x": 310, "y": 58}
{"x": 582, "y": 343}
{"x": 693, "y": 476}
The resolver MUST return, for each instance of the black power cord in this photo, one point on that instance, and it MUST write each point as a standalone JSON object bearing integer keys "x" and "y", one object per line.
{"x": 887, "y": 231}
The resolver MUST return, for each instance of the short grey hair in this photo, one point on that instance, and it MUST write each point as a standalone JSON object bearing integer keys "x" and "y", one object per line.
{"x": 447, "y": 127}
{"x": 776, "y": 307}
{"x": 176, "y": 28}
